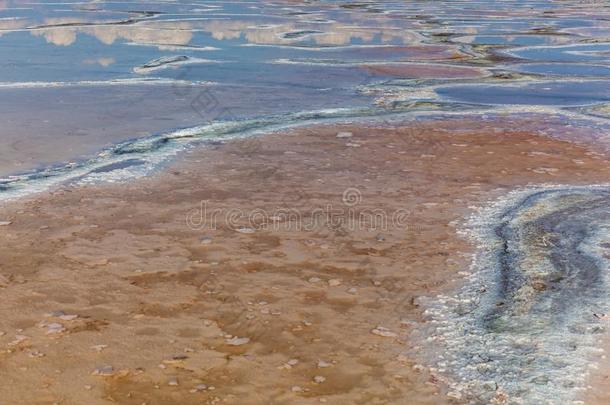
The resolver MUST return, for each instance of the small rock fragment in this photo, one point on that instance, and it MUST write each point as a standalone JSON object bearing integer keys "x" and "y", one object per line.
{"x": 289, "y": 364}
{"x": 103, "y": 371}
{"x": 245, "y": 230}
{"x": 56, "y": 314}
{"x": 18, "y": 339}
{"x": 319, "y": 379}
{"x": 5, "y": 223}
{"x": 323, "y": 364}
{"x": 385, "y": 332}
{"x": 296, "y": 388}
{"x": 333, "y": 282}
{"x": 55, "y": 328}
{"x": 344, "y": 135}
{"x": 454, "y": 395}
{"x": 34, "y": 353}
{"x": 237, "y": 341}
{"x": 172, "y": 382}
{"x": 177, "y": 359}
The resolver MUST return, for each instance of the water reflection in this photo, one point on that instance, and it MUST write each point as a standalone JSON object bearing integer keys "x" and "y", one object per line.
{"x": 281, "y": 56}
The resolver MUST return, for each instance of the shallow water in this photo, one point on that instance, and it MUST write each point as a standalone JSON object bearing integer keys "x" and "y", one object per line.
{"x": 83, "y": 76}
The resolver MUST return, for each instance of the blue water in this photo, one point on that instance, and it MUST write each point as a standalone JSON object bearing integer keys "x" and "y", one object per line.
{"x": 575, "y": 93}
{"x": 565, "y": 69}
{"x": 76, "y": 77}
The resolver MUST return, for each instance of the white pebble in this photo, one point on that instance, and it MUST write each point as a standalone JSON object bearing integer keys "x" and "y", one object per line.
{"x": 385, "y": 332}
{"x": 319, "y": 379}
{"x": 237, "y": 341}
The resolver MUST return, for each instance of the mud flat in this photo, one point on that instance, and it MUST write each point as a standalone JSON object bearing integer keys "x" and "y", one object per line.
{"x": 135, "y": 293}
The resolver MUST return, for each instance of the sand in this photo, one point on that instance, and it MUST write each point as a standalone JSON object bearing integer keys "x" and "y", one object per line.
{"x": 173, "y": 310}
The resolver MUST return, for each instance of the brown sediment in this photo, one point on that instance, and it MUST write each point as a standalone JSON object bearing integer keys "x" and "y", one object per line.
{"x": 597, "y": 392}
{"x": 424, "y": 71}
{"x": 145, "y": 284}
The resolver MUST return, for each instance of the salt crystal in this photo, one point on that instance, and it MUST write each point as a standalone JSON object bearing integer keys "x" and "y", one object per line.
{"x": 237, "y": 341}
{"x": 245, "y": 230}
{"x": 323, "y": 364}
{"x": 103, "y": 371}
{"x": 385, "y": 332}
